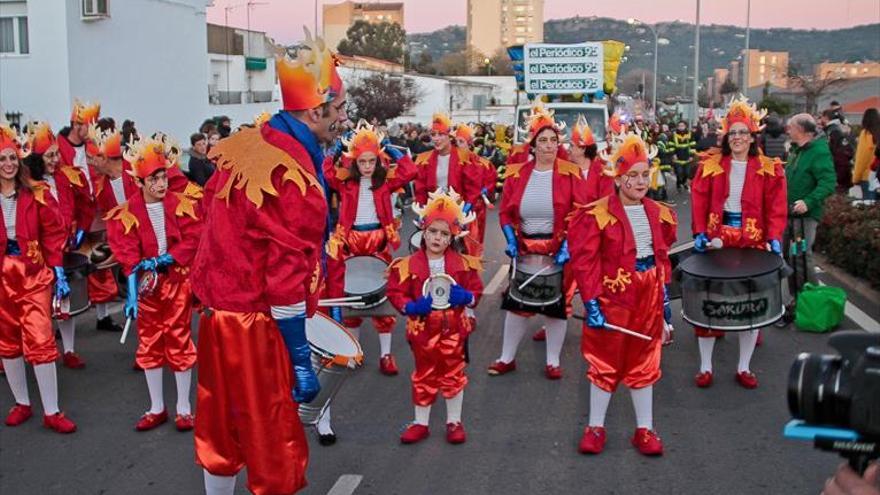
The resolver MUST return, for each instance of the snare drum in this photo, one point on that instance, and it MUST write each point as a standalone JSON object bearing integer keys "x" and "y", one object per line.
{"x": 544, "y": 277}
{"x": 732, "y": 289}
{"x": 336, "y": 354}
{"x": 365, "y": 277}
{"x": 76, "y": 268}
{"x": 102, "y": 256}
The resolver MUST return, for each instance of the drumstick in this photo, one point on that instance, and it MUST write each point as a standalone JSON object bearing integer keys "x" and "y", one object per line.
{"x": 125, "y": 330}
{"x": 533, "y": 277}
{"x": 628, "y": 332}
{"x": 487, "y": 202}
{"x": 334, "y": 300}
{"x": 347, "y": 304}
{"x": 716, "y": 243}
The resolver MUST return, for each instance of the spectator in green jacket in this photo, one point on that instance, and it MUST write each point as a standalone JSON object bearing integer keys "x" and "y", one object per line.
{"x": 811, "y": 178}
{"x": 683, "y": 145}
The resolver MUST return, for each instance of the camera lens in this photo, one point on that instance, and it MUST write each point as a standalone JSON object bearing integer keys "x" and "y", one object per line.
{"x": 818, "y": 391}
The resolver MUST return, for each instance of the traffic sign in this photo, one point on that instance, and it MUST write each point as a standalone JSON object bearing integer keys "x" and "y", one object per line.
{"x": 563, "y": 69}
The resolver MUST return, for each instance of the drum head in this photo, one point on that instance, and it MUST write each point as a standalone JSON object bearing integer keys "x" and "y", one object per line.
{"x": 438, "y": 287}
{"x": 415, "y": 241}
{"x": 364, "y": 275}
{"x": 730, "y": 263}
{"x": 330, "y": 340}
{"x": 531, "y": 264}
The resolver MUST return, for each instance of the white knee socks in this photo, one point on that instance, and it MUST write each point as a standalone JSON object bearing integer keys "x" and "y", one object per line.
{"x": 184, "y": 381}
{"x": 423, "y": 415}
{"x": 324, "y": 427}
{"x": 47, "y": 382}
{"x": 555, "y": 329}
{"x": 643, "y": 404}
{"x": 706, "y": 345}
{"x": 219, "y": 485}
{"x": 17, "y": 379}
{"x": 101, "y": 310}
{"x": 453, "y": 408}
{"x": 67, "y": 328}
{"x": 384, "y": 343}
{"x": 154, "y": 387}
{"x": 747, "y": 342}
{"x": 514, "y": 329}
{"x": 599, "y": 400}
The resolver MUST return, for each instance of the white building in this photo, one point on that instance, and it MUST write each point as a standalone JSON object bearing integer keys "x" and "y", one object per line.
{"x": 241, "y": 66}
{"x": 142, "y": 59}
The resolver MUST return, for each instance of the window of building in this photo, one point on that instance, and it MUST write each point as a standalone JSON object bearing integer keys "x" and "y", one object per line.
{"x": 520, "y": 8}
{"x": 761, "y": 70}
{"x": 853, "y": 71}
{"x": 773, "y": 59}
{"x": 763, "y": 59}
{"x": 520, "y": 29}
{"x": 14, "y": 35}
{"x": 95, "y": 8}
{"x": 520, "y": 39}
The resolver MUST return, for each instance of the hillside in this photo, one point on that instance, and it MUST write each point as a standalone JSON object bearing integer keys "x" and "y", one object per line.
{"x": 719, "y": 44}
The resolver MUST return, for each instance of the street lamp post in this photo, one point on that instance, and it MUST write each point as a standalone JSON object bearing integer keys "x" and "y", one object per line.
{"x": 696, "y": 68}
{"x": 656, "y": 54}
{"x": 746, "y": 54}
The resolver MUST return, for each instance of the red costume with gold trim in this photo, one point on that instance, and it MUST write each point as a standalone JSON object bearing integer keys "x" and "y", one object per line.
{"x": 597, "y": 182}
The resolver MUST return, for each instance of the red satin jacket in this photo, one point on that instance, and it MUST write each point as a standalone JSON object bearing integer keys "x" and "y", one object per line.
{"x": 598, "y": 185}
{"x": 603, "y": 248}
{"x": 462, "y": 176}
{"x": 39, "y": 229}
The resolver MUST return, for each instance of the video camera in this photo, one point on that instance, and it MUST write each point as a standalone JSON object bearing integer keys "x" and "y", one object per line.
{"x": 835, "y": 398}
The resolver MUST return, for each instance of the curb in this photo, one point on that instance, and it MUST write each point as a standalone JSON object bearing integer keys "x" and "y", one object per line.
{"x": 861, "y": 286}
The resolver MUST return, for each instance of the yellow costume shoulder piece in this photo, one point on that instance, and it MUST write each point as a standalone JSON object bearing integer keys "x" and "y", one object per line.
{"x": 711, "y": 162}
{"x": 251, "y": 161}
{"x": 666, "y": 214}
{"x": 568, "y": 168}
{"x": 186, "y": 206}
{"x": 512, "y": 170}
{"x": 464, "y": 155}
{"x": 473, "y": 262}
{"x": 402, "y": 267}
{"x": 39, "y": 189}
{"x": 768, "y": 165}
{"x": 73, "y": 174}
{"x": 423, "y": 158}
{"x": 599, "y": 209}
{"x": 193, "y": 191}
{"x": 342, "y": 173}
{"x": 121, "y": 214}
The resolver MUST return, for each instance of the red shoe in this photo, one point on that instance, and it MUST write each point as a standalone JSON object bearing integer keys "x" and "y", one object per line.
{"x": 501, "y": 368}
{"x": 59, "y": 422}
{"x": 540, "y": 335}
{"x": 72, "y": 360}
{"x": 703, "y": 379}
{"x": 747, "y": 379}
{"x": 760, "y": 339}
{"x": 184, "y": 422}
{"x": 552, "y": 372}
{"x": 414, "y": 433}
{"x": 18, "y": 414}
{"x": 387, "y": 366}
{"x": 593, "y": 441}
{"x": 149, "y": 421}
{"x": 647, "y": 442}
{"x": 455, "y": 433}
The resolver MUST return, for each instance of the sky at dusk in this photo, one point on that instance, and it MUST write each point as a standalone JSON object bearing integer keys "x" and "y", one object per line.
{"x": 283, "y": 19}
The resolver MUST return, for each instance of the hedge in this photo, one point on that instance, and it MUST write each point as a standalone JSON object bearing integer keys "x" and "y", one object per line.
{"x": 849, "y": 237}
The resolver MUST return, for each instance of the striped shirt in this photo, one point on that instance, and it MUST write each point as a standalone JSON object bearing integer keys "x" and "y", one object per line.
{"x": 638, "y": 221}
{"x": 733, "y": 203}
{"x": 536, "y": 209}
{"x": 118, "y": 190}
{"x": 53, "y": 188}
{"x": 443, "y": 172}
{"x": 366, "y": 211}
{"x": 156, "y": 212}
{"x": 9, "y": 207}
{"x": 437, "y": 266}
{"x": 79, "y": 161}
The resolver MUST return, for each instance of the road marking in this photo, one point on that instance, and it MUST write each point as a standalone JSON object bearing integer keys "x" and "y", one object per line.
{"x": 346, "y": 484}
{"x": 860, "y": 317}
{"x": 499, "y": 277}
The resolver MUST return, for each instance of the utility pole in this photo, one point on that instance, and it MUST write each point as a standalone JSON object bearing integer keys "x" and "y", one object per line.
{"x": 684, "y": 83}
{"x": 696, "y": 67}
{"x": 745, "y": 84}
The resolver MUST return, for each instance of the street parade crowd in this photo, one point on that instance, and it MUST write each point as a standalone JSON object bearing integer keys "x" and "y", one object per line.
{"x": 247, "y": 240}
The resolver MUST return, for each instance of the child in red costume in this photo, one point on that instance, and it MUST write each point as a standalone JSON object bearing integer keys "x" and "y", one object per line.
{"x": 154, "y": 236}
{"x": 620, "y": 254}
{"x": 437, "y": 335}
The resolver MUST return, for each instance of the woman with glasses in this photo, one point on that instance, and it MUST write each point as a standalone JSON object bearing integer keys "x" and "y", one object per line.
{"x": 738, "y": 196}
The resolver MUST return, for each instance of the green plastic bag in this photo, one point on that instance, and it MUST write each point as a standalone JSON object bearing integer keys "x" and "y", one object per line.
{"x": 819, "y": 308}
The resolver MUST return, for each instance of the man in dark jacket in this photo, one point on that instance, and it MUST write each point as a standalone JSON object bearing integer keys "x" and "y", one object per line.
{"x": 200, "y": 168}
{"x": 841, "y": 145}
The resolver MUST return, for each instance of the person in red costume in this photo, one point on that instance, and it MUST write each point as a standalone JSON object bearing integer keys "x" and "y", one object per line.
{"x": 738, "y": 195}
{"x": 364, "y": 179}
{"x": 32, "y": 234}
{"x": 73, "y": 143}
{"x": 446, "y": 166}
{"x": 534, "y": 225}
{"x": 488, "y": 176}
{"x": 620, "y": 254}
{"x": 154, "y": 236}
{"x": 437, "y": 335}
{"x": 584, "y": 153}
{"x": 70, "y": 189}
{"x": 259, "y": 272}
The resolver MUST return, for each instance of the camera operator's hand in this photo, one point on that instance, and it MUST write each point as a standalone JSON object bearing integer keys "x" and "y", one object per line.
{"x": 847, "y": 482}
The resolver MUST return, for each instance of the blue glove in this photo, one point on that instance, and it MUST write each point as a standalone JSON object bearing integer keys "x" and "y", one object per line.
{"x": 393, "y": 152}
{"x": 562, "y": 256}
{"x": 485, "y": 192}
{"x": 146, "y": 264}
{"x": 595, "y": 317}
{"x": 419, "y": 307}
{"x": 667, "y": 309}
{"x": 336, "y": 314}
{"x": 78, "y": 238}
{"x": 459, "y": 296}
{"x": 467, "y": 208}
{"x": 164, "y": 260}
{"x": 510, "y": 235}
{"x": 130, "y": 310}
{"x": 701, "y": 243}
{"x": 776, "y": 246}
{"x": 336, "y": 148}
{"x": 293, "y": 330}
{"x": 62, "y": 290}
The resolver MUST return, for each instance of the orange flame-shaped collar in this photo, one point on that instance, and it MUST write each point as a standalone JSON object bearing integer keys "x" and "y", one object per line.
{"x": 365, "y": 139}
{"x": 148, "y": 155}
{"x": 104, "y": 143}
{"x": 311, "y": 79}
{"x": 85, "y": 113}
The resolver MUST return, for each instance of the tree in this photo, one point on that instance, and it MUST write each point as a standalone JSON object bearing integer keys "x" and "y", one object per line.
{"x": 453, "y": 64}
{"x": 812, "y": 86}
{"x": 500, "y": 63}
{"x": 384, "y": 40}
{"x": 424, "y": 63}
{"x": 775, "y": 105}
{"x": 383, "y": 97}
{"x": 728, "y": 87}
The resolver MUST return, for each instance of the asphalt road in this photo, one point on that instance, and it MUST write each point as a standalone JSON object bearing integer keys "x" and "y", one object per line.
{"x": 522, "y": 429}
